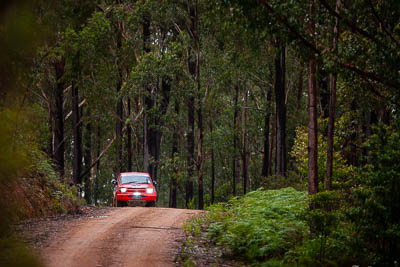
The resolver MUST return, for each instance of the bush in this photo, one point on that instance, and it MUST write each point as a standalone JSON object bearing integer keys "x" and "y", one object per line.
{"x": 361, "y": 224}
{"x": 376, "y": 214}
{"x": 262, "y": 224}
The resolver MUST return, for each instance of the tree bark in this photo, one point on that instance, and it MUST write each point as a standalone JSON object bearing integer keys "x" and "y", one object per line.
{"x": 58, "y": 152}
{"x": 77, "y": 162}
{"x": 272, "y": 144}
{"x": 235, "y": 166}
{"x": 190, "y": 148}
{"x": 88, "y": 158}
{"x": 154, "y": 130}
{"x": 332, "y": 104}
{"x": 300, "y": 85}
{"x": 312, "y": 117}
{"x": 147, "y": 98}
{"x": 280, "y": 70}
{"x": 199, "y": 163}
{"x": 212, "y": 164}
{"x": 129, "y": 139}
{"x": 119, "y": 112}
{"x": 200, "y": 151}
{"x": 175, "y": 175}
{"x": 244, "y": 145}
{"x": 192, "y": 66}
{"x": 96, "y": 178}
{"x": 265, "y": 166}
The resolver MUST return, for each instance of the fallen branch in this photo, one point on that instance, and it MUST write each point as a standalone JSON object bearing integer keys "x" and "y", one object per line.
{"x": 87, "y": 171}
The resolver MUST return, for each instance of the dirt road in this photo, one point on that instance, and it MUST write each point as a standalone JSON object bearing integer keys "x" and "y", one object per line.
{"x": 128, "y": 236}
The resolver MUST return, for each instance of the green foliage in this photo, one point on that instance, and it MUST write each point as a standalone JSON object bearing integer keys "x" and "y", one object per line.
{"x": 13, "y": 253}
{"x": 329, "y": 242}
{"x": 342, "y": 171}
{"x": 13, "y": 156}
{"x": 261, "y": 225}
{"x": 359, "y": 224}
{"x": 293, "y": 179}
{"x": 377, "y": 198}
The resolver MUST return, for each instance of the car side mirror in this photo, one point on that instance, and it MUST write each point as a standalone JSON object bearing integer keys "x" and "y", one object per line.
{"x": 114, "y": 182}
{"x": 154, "y": 182}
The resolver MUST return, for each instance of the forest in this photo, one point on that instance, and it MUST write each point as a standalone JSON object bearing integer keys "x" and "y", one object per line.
{"x": 215, "y": 100}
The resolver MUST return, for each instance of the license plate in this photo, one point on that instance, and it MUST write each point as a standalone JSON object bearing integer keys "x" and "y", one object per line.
{"x": 136, "y": 196}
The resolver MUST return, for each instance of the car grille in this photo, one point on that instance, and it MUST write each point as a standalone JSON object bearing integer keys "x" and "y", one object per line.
{"x": 136, "y": 190}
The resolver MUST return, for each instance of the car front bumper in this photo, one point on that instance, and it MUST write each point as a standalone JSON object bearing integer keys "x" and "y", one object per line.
{"x": 130, "y": 196}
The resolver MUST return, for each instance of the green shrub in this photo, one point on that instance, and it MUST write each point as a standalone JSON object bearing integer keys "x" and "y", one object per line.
{"x": 261, "y": 225}
{"x": 376, "y": 215}
{"x": 13, "y": 253}
{"x": 328, "y": 245}
{"x": 342, "y": 172}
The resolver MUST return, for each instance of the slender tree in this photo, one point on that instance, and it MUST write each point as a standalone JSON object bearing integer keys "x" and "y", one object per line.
{"x": 174, "y": 156}
{"x": 87, "y": 150}
{"x": 280, "y": 97}
{"x": 212, "y": 163}
{"x": 332, "y": 104}
{"x": 245, "y": 170}
{"x": 76, "y": 122}
{"x": 266, "y": 158}
{"x": 129, "y": 138}
{"x": 235, "y": 164}
{"x": 58, "y": 151}
{"x": 312, "y": 115}
{"x": 119, "y": 109}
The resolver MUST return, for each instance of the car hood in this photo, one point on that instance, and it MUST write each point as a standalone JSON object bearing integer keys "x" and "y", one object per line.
{"x": 135, "y": 185}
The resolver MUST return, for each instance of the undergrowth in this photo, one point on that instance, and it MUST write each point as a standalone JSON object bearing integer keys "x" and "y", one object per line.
{"x": 261, "y": 227}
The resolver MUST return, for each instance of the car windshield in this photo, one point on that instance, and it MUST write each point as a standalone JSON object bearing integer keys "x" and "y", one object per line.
{"x": 134, "y": 179}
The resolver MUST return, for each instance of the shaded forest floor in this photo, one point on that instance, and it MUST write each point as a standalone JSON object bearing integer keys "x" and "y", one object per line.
{"x": 197, "y": 250}
{"x": 38, "y": 232}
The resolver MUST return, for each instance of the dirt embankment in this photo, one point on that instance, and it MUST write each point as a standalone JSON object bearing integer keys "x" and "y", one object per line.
{"x": 129, "y": 236}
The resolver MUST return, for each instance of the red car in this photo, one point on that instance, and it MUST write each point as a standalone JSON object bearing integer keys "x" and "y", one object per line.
{"x": 134, "y": 188}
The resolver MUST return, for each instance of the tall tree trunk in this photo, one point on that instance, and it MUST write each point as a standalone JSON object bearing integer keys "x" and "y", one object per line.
{"x": 272, "y": 144}
{"x": 192, "y": 66}
{"x": 175, "y": 175}
{"x": 96, "y": 180}
{"x": 129, "y": 139}
{"x": 244, "y": 145}
{"x": 265, "y": 166}
{"x": 190, "y": 157}
{"x": 195, "y": 35}
{"x": 146, "y": 154}
{"x": 235, "y": 166}
{"x": 212, "y": 164}
{"x": 300, "y": 85}
{"x": 88, "y": 158}
{"x": 119, "y": 123}
{"x": 77, "y": 162}
{"x": 58, "y": 152}
{"x": 200, "y": 152}
{"x": 312, "y": 117}
{"x": 50, "y": 121}
{"x": 118, "y": 131}
{"x": 147, "y": 99}
{"x": 332, "y": 104}
{"x": 280, "y": 70}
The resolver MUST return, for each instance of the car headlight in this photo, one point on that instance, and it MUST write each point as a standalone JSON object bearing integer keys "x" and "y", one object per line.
{"x": 149, "y": 190}
{"x": 123, "y": 190}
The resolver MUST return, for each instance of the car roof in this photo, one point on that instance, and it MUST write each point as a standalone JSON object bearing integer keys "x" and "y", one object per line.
{"x": 140, "y": 173}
